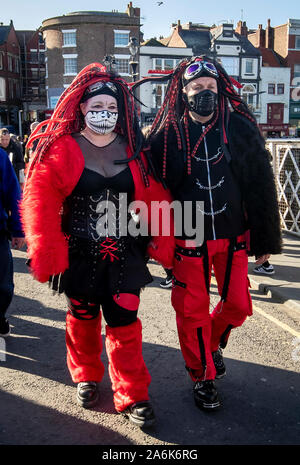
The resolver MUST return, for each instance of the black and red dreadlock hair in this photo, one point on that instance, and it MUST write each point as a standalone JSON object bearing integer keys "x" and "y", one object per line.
{"x": 67, "y": 117}
{"x": 174, "y": 112}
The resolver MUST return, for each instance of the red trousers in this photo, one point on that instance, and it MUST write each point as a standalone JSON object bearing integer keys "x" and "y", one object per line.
{"x": 128, "y": 372}
{"x": 201, "y": 332}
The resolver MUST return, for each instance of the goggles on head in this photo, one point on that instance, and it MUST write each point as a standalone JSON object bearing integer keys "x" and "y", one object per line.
{"x": 100, "y": 87}
{"x": 200, "y": 67}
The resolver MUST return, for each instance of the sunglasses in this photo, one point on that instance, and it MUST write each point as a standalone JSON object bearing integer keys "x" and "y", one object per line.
{"x": 4, "y": 132}
{"x": 198, "y": 66}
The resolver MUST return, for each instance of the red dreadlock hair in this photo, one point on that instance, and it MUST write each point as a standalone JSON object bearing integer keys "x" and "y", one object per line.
{"x": 173, "y": 112}
{"x": 67, "y": 117}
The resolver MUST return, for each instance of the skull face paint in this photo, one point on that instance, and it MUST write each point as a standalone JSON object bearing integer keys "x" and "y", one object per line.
{"x": 100, "y": 113}
{"x": 101, "y": 122}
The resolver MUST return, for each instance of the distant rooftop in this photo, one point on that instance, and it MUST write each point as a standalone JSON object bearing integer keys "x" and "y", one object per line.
{"x": 102, "y": 13}
{"x": 4, "y": 31}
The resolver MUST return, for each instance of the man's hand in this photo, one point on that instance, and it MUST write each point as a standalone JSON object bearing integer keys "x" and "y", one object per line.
{"x": 262, "y": 259}
{"x": 17, "y": 242}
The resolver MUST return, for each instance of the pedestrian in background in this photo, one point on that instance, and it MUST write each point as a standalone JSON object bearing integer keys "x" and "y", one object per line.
{"x": 29, "y": 151}
{"x": 10, "y": 229}
{"x": 14, "y": 153}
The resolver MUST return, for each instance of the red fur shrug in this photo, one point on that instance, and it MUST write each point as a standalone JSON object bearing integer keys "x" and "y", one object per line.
{"x": 48, "y": 186}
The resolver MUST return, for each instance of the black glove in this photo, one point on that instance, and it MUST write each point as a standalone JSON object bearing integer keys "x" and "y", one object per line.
{"x": 56, "y": 283}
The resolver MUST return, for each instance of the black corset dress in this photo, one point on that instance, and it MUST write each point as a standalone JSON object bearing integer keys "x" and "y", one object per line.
{"x": 103, "y": 258}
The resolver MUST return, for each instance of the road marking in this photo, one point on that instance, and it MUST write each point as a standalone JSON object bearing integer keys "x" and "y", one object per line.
{"x": 277, "y": 322}
{"x": 17, "y": 356}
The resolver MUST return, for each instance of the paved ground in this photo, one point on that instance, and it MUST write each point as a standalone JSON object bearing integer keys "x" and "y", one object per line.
{"x": 260, "y": 393}
{"x": 285, "y": 283}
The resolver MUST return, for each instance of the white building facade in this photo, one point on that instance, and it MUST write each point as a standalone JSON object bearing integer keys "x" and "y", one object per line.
{"x": 275, "y": 100}
{"x": 157, "y": 61}
{"x": 241, "y": 60}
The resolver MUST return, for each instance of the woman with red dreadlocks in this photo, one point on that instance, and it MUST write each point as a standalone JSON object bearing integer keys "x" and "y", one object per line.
{"x": 208, "y": 149}
{"x": 89, "y": 157}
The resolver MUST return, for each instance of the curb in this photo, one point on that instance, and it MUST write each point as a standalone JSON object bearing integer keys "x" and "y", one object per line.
{"x": 275, "y": 293}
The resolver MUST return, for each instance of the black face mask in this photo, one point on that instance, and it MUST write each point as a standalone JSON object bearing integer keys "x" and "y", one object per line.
{"x": 204, "y": 103}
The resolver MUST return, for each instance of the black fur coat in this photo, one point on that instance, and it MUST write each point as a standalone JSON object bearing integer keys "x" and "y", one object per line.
{"x": 250, "y": 164}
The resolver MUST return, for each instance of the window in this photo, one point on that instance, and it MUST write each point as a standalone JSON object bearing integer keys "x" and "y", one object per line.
{"x": 33, "y": 56}
{"x": 297, "y": 42}
{"x": 69, "y": 38}
{"x": 159, "y": 94}
{"x": 280, "y": 89}
{"x": 17, "y": 65}
{"x": 10, "y": 89}
{"x": 42, "y": 57}
{"x": 70, "y": 65}
{"x": 165, "y": 64}
{"x": 53, "y": 101}
{"x": 10, "y": 62}
{"x": 2, "y": 89}
{"x": 18, "y": 90}
{"x": 1, "y": 60}
{"x": 34, "y": 73}
{"x": 231, "y": 65}
{"x": 296, "y": 70}
{"x": 158, "y": 64}
{"x": 122, "y": 65}
{"x": 121, "y": 38}
{"x": 168, "y": 65}
{"x": 271, "y": 89}
{"x": 249, "y": 66}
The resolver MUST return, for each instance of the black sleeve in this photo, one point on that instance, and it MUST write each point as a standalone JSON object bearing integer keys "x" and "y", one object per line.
{"x": 174, "y": 169}
{"x": 252, "y": 168}
{"x": 20, "y": 158}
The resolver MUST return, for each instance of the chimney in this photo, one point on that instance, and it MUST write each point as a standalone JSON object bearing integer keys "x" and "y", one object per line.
{"x": 261, "y": 36}
{"x": 130, "y": 9}
{"x": 269, "y": 35}
{"x": 179, "y": 27}
{"x": 242, "y": 28}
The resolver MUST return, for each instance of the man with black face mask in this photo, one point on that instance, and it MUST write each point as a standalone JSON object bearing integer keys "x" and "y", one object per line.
{"x": 209, "y": 152}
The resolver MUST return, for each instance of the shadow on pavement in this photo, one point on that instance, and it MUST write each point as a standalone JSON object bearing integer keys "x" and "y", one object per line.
{"x": 27, "y": 423}
{"x": 260, "y": 403}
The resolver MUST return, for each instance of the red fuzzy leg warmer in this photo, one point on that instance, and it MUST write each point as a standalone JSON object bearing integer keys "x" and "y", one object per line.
{"x": 128, "y": 372}
{"x": 84, "y": 347}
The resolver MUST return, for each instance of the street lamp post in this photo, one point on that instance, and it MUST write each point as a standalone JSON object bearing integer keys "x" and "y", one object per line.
{"x": 110, "y": 62}
{"x": 133, "y": 48}
{"x": 20, "y": 123}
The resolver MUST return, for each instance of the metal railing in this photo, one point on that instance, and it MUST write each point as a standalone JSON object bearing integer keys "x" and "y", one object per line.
{"x": 286, "y": 165}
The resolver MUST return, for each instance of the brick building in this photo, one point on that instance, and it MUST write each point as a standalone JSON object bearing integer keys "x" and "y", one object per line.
{"x": 77, "y": 39}
{"x": 10, "y": 77}
{"x": 33, "y": 71}
{"x": 284, "y": 41}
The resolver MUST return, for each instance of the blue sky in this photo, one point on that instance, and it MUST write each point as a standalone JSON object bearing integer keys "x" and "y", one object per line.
{"x": 157, "y": 20}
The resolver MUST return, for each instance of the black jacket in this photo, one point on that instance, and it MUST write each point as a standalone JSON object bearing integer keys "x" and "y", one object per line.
{"x": 250, "y": 164}
{"x": 17, "y": 158}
